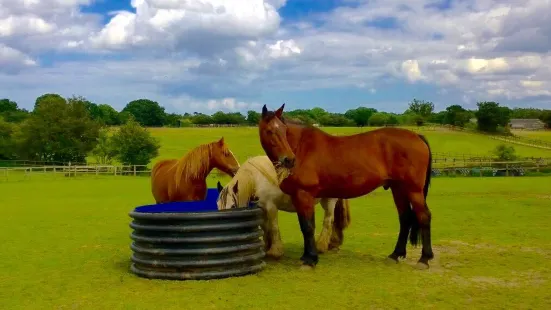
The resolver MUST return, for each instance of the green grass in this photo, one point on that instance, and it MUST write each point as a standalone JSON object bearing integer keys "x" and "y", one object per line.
{"x": 544, "y": 135}
{"x": 65, "y": 245}
{"x": 244, "y": 142}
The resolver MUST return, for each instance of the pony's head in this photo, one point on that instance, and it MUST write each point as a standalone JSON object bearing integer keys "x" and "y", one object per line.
{"x": 223, "y": 159}
{"x": 228, "y": 196}
{"x": 273, "y": 138}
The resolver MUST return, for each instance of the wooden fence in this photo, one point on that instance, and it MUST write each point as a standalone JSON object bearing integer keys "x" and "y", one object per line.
{"x": 458, "y": 168}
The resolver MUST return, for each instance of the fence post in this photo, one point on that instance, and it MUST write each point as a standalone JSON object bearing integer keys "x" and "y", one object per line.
{"x": 134, "y": 170}
{"x": 507, "y": 169}
{"x": 115, "y": 170}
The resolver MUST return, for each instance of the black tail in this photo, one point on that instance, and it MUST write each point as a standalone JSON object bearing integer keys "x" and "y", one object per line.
{"x": 414, "y": 236}
{"x": 429, "y": 168}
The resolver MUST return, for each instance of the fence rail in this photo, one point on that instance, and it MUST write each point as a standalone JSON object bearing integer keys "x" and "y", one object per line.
{"x": 505, "y": 168}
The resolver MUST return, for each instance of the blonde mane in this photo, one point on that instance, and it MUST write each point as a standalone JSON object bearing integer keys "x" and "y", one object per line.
{"x": 195, "y": 163}
{"x": 245, "y": 178}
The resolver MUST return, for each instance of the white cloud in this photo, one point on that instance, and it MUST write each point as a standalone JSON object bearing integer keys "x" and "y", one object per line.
{"x": 12, "y": 60}
{"x": 222, "y": 54}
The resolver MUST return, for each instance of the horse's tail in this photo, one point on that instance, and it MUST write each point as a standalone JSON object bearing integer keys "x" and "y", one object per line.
{"x": 429, "y": 168}
{"x": 341, "y": 216}
{"x": 415, "y": 236}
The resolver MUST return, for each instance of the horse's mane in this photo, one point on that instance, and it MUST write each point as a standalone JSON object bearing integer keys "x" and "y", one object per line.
{"x": 194, "y": 164}
{"x": 245, "y": 178}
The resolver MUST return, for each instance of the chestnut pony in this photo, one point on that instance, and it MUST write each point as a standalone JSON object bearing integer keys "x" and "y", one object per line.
{"x": 184, "y": 179}
{"x": 314, "y": 164}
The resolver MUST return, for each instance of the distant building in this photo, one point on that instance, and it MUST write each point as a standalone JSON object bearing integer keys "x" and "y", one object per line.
{"x": 528, "y": 124}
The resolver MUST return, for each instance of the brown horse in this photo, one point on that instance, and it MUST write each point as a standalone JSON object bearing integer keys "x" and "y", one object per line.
{"x": 184, "y": 179}
{"x": 315, "y": 164}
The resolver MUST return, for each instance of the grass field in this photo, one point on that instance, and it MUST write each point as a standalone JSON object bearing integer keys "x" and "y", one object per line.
{"x": 544, "y": 135}
{"x": 65, "y": 245}
{"x": 245, "y": 143}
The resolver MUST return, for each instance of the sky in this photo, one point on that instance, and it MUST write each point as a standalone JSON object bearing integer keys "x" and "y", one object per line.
{"x": 236, "y": 55}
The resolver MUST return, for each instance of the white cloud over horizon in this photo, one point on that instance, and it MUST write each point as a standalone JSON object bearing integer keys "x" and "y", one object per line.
{"x": 204, "y": 55}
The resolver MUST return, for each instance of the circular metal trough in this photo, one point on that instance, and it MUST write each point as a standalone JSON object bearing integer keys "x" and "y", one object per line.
{"x": 195, "y": 241}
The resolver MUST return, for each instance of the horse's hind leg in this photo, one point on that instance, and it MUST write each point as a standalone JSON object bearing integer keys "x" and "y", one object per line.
{"x": 322, "y": 244}
{"x": 423, "y": 216}
{"x": 407, "y": 219}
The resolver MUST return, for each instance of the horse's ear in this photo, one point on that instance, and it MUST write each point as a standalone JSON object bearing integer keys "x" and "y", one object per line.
{"x": 236, "y": 187}
{"x": 279, "y": 112}
{"x": 221, "y": 141}
{"x": 219, "y": 186}
{"x": 264, "y": 111}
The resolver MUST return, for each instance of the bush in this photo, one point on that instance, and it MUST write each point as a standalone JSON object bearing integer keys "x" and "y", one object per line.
{"x": 134, "y": 145}
{"x": 505, "y": 152}
{"x": 105, "y": 151}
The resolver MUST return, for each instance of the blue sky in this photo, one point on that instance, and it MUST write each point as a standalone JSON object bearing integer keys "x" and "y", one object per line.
{"x": 210, "y": 55}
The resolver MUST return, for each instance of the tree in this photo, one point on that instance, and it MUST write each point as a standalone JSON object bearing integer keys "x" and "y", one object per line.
{"x": 318, "y": 113}
{"x": 7, "y": 140}
{"x": 202, "y": 119}
{"x": 59, "y": 130}
{"x": 253, "y": 117}
{"x": 335, "y": 120}
{"x": 172, "y": 120}
{"x": 490, "y": 115}
{"x": 108, "y": 115}
{"x": 360, "y": 116}
{"x": 48, "y": 98}
{"x": 546, "y": 118}
{"x": 378, "y": 119}
{"x": 134, "y": 144}
{"x": 421, "y": 107}
{"x": 146, "y": 112}
{"x": 7, "y": 105}
{"x": 10, "y": 111}
{"x": 104, "y": 151}
{"x": 456, "y": 115}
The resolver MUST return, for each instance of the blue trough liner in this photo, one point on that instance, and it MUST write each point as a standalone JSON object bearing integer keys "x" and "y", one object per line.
{"x": 207, "y": 205}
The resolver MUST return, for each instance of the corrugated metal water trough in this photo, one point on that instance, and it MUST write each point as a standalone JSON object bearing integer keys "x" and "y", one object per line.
{"x": 194, "y": 241}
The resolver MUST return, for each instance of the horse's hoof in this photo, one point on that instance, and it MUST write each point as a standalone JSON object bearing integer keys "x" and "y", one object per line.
{"x": 391, "y": 261}
{"x": 421, "y": 266}
{"x": 306, "y": 267}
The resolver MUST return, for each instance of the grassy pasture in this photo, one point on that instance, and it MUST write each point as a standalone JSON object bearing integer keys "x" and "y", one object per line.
{"x": 65, "y": 245}
{"x": 544, "y": 135}
{"x": 245, "y": 143}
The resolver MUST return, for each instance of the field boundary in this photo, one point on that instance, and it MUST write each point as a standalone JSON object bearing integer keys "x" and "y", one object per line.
{"x": 514, "y": 139}
{"x": 458, "y": 168}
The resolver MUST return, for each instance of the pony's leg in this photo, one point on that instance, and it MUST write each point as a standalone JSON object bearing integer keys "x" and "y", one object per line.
{"x": 266, "y": 228}
{"x": 304, "y": 204}
{"x": 276, "y": 248}
{"x": 407, "y": 218}
{"x": 322, "y": 244}
{"x": 423, "y": 216}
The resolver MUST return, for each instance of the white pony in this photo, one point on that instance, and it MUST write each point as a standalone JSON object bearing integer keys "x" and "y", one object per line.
{"x": 256, "y": 179}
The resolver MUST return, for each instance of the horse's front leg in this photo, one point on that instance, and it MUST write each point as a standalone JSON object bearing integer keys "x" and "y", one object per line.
{"x": 322, "y": 245}
{"x": 303, "y": 202}
{"x": 276, "y": 248}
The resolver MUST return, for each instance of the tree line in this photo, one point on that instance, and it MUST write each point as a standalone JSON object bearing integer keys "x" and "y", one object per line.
{"x": 68, "y": 129}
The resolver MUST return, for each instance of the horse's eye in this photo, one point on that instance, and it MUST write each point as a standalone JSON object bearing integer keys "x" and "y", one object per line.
{"x": 269, "y": 132}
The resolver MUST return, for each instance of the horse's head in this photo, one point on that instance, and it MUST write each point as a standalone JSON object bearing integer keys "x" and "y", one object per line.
{"x": 227, "y": 196}
{"x": 223, "y": 158}
{"x": 273, "y": 137}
